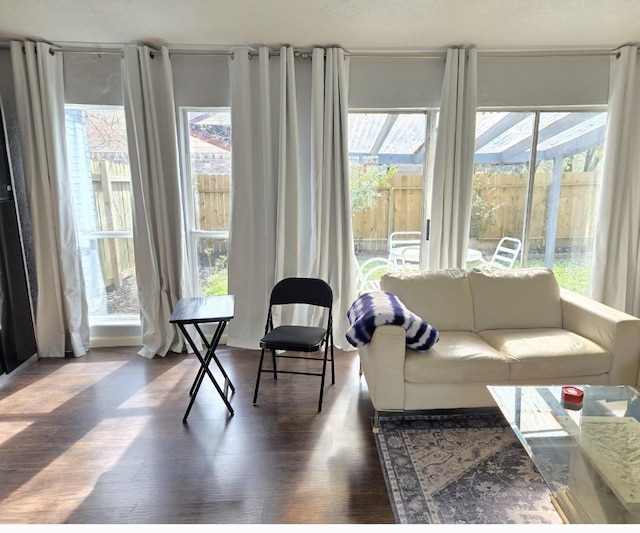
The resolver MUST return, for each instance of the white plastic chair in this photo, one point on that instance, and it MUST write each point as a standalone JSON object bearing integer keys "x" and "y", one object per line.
{"x": 505, "y": 254}
{"x": 370, "y": 272}
{"x": 404, "y": 248}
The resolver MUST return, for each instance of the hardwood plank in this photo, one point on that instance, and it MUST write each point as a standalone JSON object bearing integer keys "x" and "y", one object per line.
{"x": 100, "y": 439}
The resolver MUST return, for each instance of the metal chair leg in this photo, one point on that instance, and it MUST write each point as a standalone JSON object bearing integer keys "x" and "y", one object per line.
{"x": 255, "y": 392}
{"x": 333, "y": 367}
{"x": 324, "y": 370}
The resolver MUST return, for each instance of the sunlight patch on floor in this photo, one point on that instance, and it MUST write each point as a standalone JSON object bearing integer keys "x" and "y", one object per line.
{"x": 85, "y": 375}
{"x": 49, "y": 496}
{"x": 172, "y": 384}
{"x": 9, "y": 429}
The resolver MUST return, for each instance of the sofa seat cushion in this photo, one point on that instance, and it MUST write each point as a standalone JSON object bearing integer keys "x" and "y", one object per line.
{"x": 460, "y": 356}
{"x": 545, "y": 353}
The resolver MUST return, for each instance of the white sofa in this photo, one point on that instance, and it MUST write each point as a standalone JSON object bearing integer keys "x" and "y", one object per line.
{"x": 496, "y": 327}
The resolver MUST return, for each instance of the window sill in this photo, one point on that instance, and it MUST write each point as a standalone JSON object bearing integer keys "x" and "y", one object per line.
{"x": 121, "y": 330}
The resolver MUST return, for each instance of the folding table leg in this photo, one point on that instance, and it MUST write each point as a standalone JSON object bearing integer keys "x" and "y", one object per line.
{"x": 204, "y": 369}
{"x": 211, "y": 354}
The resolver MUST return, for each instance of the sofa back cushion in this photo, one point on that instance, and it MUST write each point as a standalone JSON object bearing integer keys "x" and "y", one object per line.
{"x": 440, "y": 297}
{"x": 521, "y": 298}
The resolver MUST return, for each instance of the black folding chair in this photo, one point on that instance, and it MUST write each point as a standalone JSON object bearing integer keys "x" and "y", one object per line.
{"x": 290, "y": 340}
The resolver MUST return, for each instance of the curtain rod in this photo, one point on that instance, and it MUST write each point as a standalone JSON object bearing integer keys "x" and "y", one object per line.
{"x": 252, "y": 52}
{"x": 507, "y": 54}
{"x": 380, "y": 54}
{"x": 54, "y": 49}
{"x": 487, "y": 53}
{"x": 397, "y": 55}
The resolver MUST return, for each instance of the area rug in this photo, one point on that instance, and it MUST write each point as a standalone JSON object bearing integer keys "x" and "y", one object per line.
{"x": 460, "y": 469}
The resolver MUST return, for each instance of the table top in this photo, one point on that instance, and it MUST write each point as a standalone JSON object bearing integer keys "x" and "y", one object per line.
{"x": 203, "y": 309}
{"x": 604, "y": 430}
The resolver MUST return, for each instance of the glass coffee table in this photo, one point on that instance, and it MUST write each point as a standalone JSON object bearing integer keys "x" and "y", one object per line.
{"x": 588, "y": 453}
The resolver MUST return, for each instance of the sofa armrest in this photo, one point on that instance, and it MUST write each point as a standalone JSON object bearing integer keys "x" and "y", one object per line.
{"x": 382, "y": 362}
{"x": 615, "y": 331}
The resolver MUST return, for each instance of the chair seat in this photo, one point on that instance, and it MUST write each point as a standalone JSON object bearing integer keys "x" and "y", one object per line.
{"x": 294, "y": 338}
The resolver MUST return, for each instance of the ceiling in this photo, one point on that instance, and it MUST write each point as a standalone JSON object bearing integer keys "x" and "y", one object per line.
{"x": 376, "y": 25}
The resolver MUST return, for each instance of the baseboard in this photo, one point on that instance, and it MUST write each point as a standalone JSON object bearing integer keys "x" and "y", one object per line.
{"x": 109, "y": 342}
{"x": 17, "y": 371}
{"x": 113, "y": 342}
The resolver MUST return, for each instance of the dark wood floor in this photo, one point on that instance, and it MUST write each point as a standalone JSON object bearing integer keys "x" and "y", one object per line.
{"x": 100, "y": 439}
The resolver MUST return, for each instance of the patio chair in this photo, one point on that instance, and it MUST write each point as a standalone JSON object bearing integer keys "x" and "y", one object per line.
{"x": 404, "y": 248}
{"x": 370, "y": 272}
{"x": 505, "y": 254}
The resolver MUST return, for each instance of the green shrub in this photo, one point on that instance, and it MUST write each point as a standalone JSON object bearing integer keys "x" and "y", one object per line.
{"x": 217, "y": 282}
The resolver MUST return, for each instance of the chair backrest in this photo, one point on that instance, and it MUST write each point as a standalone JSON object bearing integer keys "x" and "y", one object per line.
{"x": 400, "y": 239}
{"x": 506, "y": 253}
{"x": 404, "y": 248}
{"x": 312, "y": 291}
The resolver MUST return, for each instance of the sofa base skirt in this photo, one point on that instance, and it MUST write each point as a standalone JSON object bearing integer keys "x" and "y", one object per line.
{"x": 427, "y": 396}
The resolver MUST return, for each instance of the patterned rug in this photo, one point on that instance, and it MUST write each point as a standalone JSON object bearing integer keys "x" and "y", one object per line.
{"x": 460, "y": 469}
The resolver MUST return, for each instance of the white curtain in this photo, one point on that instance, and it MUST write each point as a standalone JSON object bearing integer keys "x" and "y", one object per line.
{"x": 290, "y": 213}
{"x": 452, "y": 185}
{"x": 158, "y": 218}
{"x": 254, "y": 194}
{"x": 61, "y": 314}
{"x": 335, "y": 257}
{"x": 616, "y": 268}
{"x": 293, "y": 233}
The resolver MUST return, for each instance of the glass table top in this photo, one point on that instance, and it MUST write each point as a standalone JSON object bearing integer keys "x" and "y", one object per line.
{"x": 588, "y": 453}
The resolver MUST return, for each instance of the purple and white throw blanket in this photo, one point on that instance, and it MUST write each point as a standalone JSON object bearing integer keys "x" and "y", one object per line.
{"x": 377, "y": 308}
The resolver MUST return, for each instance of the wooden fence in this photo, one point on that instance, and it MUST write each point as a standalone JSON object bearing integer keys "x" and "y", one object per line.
{"x": 498, "y": 211}
{"x": 498, "y": 208}
{"x": 113, "y": 199}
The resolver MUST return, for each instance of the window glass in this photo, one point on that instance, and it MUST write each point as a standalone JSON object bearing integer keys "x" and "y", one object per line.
{"x": 386, "y": 172}
{"x": 101, "y": 186}
{"x": 208, "y": 138}
{"x": 551, "y": 211}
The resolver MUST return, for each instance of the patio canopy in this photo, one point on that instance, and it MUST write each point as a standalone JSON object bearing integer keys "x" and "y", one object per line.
{"x": 501, "y": 137}
{"x": 399, "y": 138}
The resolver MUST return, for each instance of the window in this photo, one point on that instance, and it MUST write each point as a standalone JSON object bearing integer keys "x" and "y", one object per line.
{"x": 101, "y": 187}
{"x": 552, "y": 209}
{"x": 208, "y": 175}
{"x": 387, "y": 154}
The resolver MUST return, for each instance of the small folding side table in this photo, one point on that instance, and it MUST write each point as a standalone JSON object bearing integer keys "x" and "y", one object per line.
{"x": 198, "y": 311}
